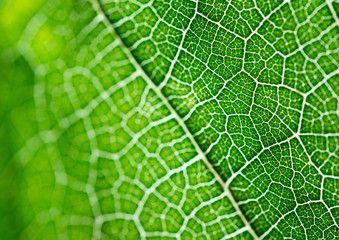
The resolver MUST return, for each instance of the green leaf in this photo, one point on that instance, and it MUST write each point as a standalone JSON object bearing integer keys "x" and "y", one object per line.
{"x": 169, "y": 119}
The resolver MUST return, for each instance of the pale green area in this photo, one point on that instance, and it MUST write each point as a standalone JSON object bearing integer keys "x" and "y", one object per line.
{"x": 99, "y": 102}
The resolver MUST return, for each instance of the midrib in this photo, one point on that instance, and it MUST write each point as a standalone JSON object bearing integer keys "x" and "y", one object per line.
{"x": 98, "y": 8}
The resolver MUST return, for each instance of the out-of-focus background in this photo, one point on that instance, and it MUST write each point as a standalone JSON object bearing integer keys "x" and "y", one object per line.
{"x": 34, "y": 34}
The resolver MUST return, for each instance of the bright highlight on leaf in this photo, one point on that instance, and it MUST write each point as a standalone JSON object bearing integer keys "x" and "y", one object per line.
{"x": 169, "y": 119}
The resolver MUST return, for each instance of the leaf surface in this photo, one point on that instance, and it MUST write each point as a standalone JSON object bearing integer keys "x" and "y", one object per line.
{"x": 169, "y": 120}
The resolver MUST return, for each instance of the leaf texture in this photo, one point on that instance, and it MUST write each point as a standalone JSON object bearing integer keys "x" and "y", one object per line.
{"x": 169, "y": 119}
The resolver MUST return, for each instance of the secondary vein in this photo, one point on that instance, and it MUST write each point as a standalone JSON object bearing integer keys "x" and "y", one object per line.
{"x": 97, "y": 7}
